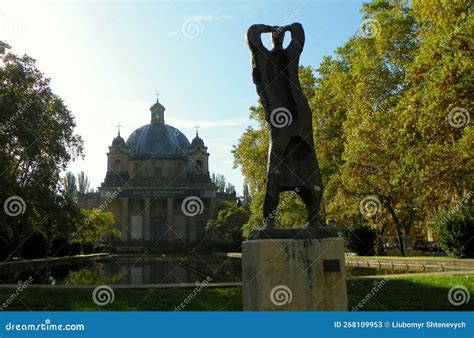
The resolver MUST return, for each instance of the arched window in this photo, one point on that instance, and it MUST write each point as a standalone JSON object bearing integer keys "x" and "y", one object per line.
{"x": 199, "y": 165}
{"x": 116, "y": 165}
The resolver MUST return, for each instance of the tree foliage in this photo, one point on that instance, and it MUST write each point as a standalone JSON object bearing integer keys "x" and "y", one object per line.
{"x": 37, "y": 141}
{"x": 229, "y": 221}
{"x": 222, "y": 185}
{"x": 454, "y": 229}
{"x": 83, "y": 184}
{"x": 94, "y": 226}
{"x": 360, "y": 239}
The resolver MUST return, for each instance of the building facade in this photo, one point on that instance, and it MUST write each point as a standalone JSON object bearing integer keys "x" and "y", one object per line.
{"x": 158, "y": 186}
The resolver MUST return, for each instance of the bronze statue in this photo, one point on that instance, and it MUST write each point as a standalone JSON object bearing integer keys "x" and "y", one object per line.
{"x": 292, "y": 163}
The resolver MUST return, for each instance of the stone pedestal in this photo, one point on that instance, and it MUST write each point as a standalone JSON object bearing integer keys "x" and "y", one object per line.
{"x": 294, "y": 275}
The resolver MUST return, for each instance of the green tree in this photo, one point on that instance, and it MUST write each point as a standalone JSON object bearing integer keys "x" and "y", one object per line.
{"x": 454, "y": 229}
{"x": 94, "y": 226}
{"x": 229, "y": 221}
{"x": 434, "y": 112}
{"x": 222, "y": 185}
{"x": 83, "y": 183}
{"x": 37, "y": 141}
{"x": 246, "y": 198}
{"x": 229, "y": 188}
{"x": 70, "y": 186}
{"x": 371, "y": 165}
{"x": 360, "y": 239}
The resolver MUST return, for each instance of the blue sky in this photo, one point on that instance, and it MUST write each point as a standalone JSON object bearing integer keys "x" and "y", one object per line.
{"x": 108, "y": 59}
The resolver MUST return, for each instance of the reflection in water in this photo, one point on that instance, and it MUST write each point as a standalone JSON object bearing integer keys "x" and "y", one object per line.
{"x": 133, "y": 271}
{"x": 89, "y": 276}
{"x": 147, "y": 270}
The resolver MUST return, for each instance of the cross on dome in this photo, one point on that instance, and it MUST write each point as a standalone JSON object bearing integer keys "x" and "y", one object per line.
{"x": 118, "y": 126}
{"x": 197, "y": 129}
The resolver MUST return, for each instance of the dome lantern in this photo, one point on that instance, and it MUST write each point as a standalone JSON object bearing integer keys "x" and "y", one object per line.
{"x": 118, "y": 141}
{"x": 157, "y": 112}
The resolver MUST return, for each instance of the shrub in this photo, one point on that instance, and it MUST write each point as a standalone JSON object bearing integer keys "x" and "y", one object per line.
{"x": 34, "y": 246}
{"x": 5, "y": 246}
{"x": 229, "y": 221}
{"x": 60, "y": 247}
{"x": 360, "y": 239}
{"x": 105, "y": 248}
{"x": 87, "y": 248}
{"x": 454, "y": 230}
{"x": 75, "y": 249}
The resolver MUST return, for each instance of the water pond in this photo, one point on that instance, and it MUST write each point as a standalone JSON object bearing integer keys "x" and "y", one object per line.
{"x": 141, "y": 270}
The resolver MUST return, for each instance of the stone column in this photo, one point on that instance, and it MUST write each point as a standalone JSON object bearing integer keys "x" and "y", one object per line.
{"x": 294, "y": 275}
{"x": 146, "y": 220}
{"x": 170, "y": 218}
{"x": 124, "y": 220}
{"x": 212, "y": 207}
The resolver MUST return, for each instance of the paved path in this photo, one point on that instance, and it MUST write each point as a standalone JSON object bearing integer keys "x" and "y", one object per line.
{"x": 420, "y": 264}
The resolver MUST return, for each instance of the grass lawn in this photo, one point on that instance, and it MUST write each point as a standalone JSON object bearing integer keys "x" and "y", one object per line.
{"x": 414, "y": 258}
{"x": 410, "y": 293}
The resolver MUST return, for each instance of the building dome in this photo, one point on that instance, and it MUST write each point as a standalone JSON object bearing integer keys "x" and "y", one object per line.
{"x": 118, "y": 141}
{"x": 197, "y": 142}
{"x": 158, "y": 140}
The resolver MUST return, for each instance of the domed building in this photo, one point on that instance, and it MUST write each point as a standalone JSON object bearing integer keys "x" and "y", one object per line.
{"x": 158, "y": 186}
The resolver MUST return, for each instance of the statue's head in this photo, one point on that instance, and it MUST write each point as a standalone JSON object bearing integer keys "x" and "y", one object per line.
{"x": 278, "y": 34}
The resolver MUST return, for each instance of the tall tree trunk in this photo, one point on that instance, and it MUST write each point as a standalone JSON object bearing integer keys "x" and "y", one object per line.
{"x": 398, "y": 228}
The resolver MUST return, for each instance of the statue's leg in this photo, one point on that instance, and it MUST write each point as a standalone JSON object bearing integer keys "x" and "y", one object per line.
{"x": 270, "y": 203}
{"x": 313, "y": 208}
{"x": 308, "y": 200}
{"x": 311, "y": 194}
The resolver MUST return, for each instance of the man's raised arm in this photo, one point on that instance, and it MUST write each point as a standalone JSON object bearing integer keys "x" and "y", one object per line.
{"x": 254, "y": 36}
{"x": 297, "y": 39}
